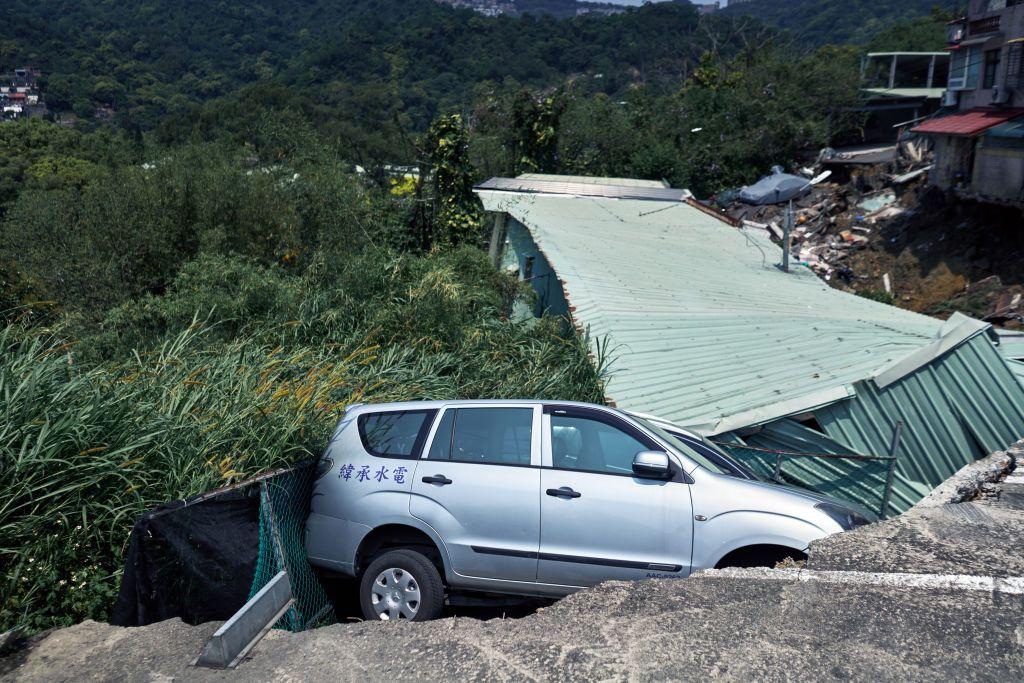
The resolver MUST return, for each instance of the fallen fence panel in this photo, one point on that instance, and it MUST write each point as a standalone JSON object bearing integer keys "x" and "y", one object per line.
{"x": 241, "y": 632}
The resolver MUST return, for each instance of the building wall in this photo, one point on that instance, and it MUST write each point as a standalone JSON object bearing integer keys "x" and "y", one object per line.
{"x": 999, "y": 172}
{"x": 1011, "y": 26}
{"x": 521, "y": 255}
{"x": 953, "y": 159}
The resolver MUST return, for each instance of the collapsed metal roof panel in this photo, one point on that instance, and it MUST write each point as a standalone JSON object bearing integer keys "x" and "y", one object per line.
{"x": 702, "y": 325}
{"x": 958, "y": 408}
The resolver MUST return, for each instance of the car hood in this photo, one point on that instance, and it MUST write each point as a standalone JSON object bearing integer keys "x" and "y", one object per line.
{"x": 812, "y": 497}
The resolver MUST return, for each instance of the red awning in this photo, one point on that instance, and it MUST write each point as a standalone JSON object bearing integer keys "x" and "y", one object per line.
{"x": 968, "y": 123}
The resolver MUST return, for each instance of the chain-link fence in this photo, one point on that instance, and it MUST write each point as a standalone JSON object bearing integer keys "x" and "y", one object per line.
{"x": 284, "y": 506}
{"x": 200, "y": 559}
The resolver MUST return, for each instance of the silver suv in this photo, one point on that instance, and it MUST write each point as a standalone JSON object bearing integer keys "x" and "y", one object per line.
{"x": 539, "y": 498}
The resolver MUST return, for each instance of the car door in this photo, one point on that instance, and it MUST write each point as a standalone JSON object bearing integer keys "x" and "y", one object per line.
{"x": 598, "y": 520}
{"x": 478, "y": 487}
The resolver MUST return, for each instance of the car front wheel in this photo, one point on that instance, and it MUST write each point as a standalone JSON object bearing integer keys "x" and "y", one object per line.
{"x": 401, "y": 584}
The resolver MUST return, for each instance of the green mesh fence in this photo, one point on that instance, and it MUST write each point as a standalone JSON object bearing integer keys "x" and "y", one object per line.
{"x": 284, "y": 505}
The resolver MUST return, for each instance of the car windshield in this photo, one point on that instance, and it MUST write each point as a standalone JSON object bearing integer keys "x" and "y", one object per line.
{"x": 705, "y": 453}
{"x": 684, "y": 448}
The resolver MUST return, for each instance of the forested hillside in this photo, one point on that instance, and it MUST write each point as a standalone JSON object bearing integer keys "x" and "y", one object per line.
{"x": 822, "y": 22}
{"x": 367, "y": 62}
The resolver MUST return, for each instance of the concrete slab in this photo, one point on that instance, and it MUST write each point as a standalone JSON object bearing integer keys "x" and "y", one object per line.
{"x": 982, "y": 535}
{"x": 705, "y": 627}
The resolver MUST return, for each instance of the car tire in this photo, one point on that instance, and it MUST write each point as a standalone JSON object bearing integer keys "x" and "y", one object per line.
{"x": 401, "y": 584}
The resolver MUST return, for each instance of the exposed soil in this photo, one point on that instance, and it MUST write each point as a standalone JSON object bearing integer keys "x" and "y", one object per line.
{"x": 943, "y": 256}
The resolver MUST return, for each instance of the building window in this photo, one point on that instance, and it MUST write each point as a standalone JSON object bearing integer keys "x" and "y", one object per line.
{"x": 1013, "y": 66}
{"x": 992, "y": 58}
{"x": 965, "y": 68}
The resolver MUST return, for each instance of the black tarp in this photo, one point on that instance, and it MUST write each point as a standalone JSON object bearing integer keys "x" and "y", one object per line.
{"x": 192, "y": 559}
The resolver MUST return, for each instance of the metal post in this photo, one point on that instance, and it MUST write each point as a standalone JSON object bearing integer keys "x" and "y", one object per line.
{"x": 778, "y": 467}
{"x": 893, "y": 450}
{"x": 239, "y": 634}
{"x": 787, "y": 231}
{"x": 275, "y": 532}
{"x": 497, "y": 239}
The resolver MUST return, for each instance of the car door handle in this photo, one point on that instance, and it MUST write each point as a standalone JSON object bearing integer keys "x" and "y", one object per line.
{"x": 437, "y": 479}
{"x": 564, "y": 492}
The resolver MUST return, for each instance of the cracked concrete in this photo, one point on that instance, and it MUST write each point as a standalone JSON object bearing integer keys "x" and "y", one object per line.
{"x": 866, "y": 624}
{"x": 707, "y": 627}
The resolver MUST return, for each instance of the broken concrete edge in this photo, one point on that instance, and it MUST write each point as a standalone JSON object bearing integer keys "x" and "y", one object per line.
{"x": 991, "y": 584}
{"x": 967, "y": 482}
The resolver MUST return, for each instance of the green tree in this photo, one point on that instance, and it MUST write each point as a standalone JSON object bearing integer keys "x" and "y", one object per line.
{"x": 456, "y": 216}
{"x": 535, "y": 132}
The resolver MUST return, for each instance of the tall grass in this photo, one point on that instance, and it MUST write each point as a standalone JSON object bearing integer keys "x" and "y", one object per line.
{"x": 85, "y": 448}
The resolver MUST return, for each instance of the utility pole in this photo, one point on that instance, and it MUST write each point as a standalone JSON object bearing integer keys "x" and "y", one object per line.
{"x": 787, "y": 231}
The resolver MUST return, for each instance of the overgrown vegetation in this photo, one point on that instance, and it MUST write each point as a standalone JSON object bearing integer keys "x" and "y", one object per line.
{"x": 199, "y": 341}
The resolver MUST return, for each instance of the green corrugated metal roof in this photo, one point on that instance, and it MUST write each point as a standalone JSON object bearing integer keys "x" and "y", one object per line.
{"x": 594, "y": 180}
{"x": 705, "y": 330}
{"x": 708, "y": 333}
{"x": 960, "y": 407}
{"x": 1011, "y": 344}
{"x": 856, "y": 480}
{"x": 1017, "y": 368}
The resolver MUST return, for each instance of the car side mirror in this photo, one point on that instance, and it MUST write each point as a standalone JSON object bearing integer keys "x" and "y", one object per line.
{"x": 651, "y": 465}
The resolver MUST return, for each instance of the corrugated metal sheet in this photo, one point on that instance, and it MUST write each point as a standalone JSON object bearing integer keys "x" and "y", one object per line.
{"x": 594, "y": 180}
{"x": 575, "y": 189}
{"x": 1011, "y": 344}
{"x": 855, "y": 480}
{"x": 701, "y": 322}
{"x": 960, "y": 407}
{"x": 1017, "y": 367}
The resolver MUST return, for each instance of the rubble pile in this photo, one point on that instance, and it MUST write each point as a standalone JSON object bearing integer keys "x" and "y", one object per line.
{"x": 832, "y": 219}
{"x": 880, "y": 230}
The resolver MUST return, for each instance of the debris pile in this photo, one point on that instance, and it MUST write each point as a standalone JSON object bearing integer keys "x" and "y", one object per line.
{"x": 880, "y": 230}
{"x": 832, "y": 220}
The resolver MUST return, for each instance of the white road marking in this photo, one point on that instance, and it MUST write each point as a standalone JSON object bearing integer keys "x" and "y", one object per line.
{"x": 991, "y": 584}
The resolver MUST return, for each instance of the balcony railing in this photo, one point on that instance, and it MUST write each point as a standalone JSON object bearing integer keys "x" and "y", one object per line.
{"x": 980, "y": 27}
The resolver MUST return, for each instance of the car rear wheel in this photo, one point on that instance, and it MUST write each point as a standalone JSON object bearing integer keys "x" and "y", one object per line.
{"x": 401, "y": 584}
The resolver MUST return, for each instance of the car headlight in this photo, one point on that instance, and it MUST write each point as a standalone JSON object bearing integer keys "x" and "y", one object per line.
{"x": 843, "y": 516}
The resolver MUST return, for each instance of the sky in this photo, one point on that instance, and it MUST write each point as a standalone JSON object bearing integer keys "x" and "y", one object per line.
{"x": 640, "y": 2}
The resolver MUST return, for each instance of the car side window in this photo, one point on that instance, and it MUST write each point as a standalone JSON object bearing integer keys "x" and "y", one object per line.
{"x": 499, "y": 436}
{"x": 592, "y": 445}
{"x": 395, "y": 434}
{"x": 441, "y": 446}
